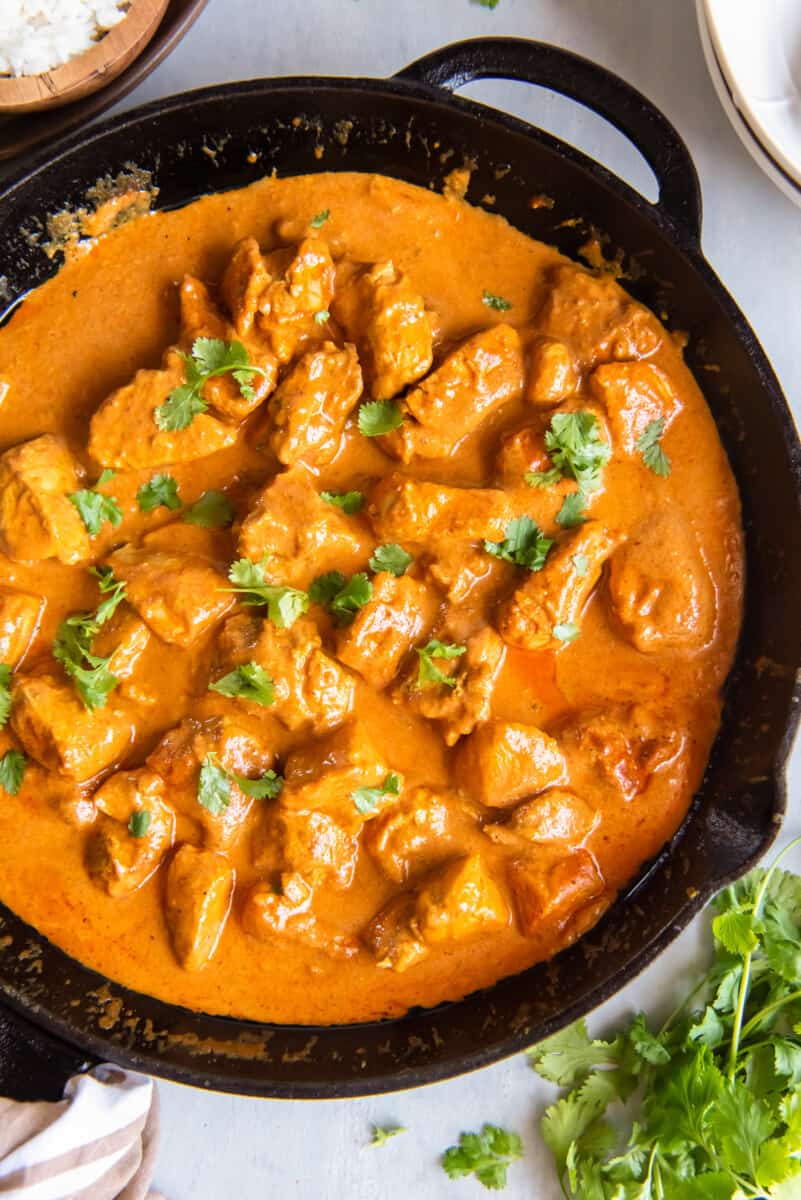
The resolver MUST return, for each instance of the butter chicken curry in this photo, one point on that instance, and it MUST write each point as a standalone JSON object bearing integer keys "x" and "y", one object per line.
{"x": 370, "y": 575}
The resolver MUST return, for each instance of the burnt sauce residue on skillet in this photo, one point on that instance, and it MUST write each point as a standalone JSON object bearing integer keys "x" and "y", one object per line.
{"x": 483, "y": 728}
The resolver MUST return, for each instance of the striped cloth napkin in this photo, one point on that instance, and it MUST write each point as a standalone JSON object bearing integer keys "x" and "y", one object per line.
{"x": 98, "y": 1143}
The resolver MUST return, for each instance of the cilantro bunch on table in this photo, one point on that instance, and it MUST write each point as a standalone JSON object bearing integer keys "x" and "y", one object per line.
{"x": 707, "y": 1106}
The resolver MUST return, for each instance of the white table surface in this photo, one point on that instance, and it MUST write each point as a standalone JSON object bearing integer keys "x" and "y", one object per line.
{"x": 215, "y": 1145}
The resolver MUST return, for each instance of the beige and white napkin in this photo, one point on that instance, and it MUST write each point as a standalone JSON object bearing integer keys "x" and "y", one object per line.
{"x": 98, "y": 1143}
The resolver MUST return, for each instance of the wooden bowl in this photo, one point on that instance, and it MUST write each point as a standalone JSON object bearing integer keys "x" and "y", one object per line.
{"x": 87, "y": 72}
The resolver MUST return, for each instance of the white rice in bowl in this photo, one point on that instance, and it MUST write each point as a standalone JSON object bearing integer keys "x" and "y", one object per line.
{"x": 39, "y": 35}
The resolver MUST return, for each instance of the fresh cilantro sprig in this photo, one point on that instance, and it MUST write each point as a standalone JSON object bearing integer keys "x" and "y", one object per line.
{"x": 12, "y": 771}
{"x": 340, "y": 597}
{"x": 571, "y": 514}
{"x": 215, "y": 783}
{"x": 209, "y": 358}
{"x": 577, "y": 451}
{"x": 524, "y": 544}
{"x": 379, "y": 416}
{"x": 247, "y": 682}
{"x": 284, "y": 604}
{"x": 349, "y": 502}
{"x": 649, "y": 446}
{"x": 428, "y": 672}
{"x": 367, "y": 799}
{"x": 390, "y": 557}
{"x": 73, "y": 645}
{"x": 95, "y": 508}
{"x": 160, "y": 491}
{"x": 487, "y": 1155}
{"x": 212, "y": 511}
{"x": 717, "y": 1087}
{"x": 5, "y": 693}
{"x": 139, "y": 822}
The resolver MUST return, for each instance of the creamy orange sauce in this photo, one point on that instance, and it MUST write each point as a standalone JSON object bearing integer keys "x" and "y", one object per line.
{"x": 114, "y": 311}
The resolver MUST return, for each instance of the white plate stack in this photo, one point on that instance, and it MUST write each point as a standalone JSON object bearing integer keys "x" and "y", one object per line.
{"x": 753, "y": 52}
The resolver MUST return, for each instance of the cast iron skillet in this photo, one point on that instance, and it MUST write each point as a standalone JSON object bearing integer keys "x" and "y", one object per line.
{"x": 405, "y": 126}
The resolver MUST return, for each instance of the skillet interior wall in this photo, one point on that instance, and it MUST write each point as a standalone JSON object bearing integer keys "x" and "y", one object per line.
{"x": 740, "y": 797}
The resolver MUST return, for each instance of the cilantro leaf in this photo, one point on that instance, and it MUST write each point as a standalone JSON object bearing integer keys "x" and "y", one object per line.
{"x": 367, "y": 799}
{"x": 214, "y": 786}
{"x": 428, "y": 672}
{"x": 180, "y": 408}
{"x": 96, "y": 509}
{"x": 209, "y": 357}
{"x": 576, "y": 450}
{"x": 12, "y": 771}
{"x": 566, "y": 631}
{"x": 160, "y": 491}
{"x": 349, "y": 502}
{"x": 341, "y": 598}
{"x": 73, "y": 645}
{"x": 320, "y": 218}
{"x": 571, "y": 513}
{"x": 212, "y": 511}
{"x": 284, "y": 604}
{"x": 566, "y": 1057}
{"x": 487, "y": 1155}
{"x": 267, "y": 787}
{"x": 524, "y": 544}
{"x": 139, "y": 823}
{"x": 648, "y": 444}
{"x": 380, "y": 1134}
{"x": 379, "y": 416}
{"x": 491, "y": 300}
{"x": 5, "y": 693}
{"x": 249, "y": 682}
{"x": 390, "y": 557}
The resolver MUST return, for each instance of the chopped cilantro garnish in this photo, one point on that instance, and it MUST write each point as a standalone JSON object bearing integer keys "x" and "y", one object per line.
{"x": 349, "y": 502}
{"x": 576, "y": 450}
{"x": 12, "y": 771}
{"x": 499, "y": 303}
{"x": 487, "y": 1155}
{"x": 320, "y": 218}
{"x": 73, "y": 645}
{"x": 524, "y": 544}
{"x": 209, "y": 357}
{"x": 214, "y": 785}
{"x": 379, "y": 416}
{"x": 284, "y": 604}
{"x": 212, "y": 511}
{"x": 95, "y": 508}
{"x": 392, "y": 558}
{"x": 139, "y": 822}
{"x": 367, "y": 799}
{"x": 248, "y": 682}
{"x": 571, "y": 513}
{"x": 342, "y": 598}
{"x": 427, "y": 671}
{"x": 160, "y": 491}
{"x": 5, "y": 693}
{"x": 649, "y": 446}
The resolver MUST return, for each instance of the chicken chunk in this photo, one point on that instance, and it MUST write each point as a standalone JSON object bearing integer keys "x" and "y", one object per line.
{"x": 555, "y": 596}
{"x": 399, "y": 612}
{"x": 37, "y": 519}
{"x": 301, "y": 534}
{"x": 201, "y": 318}
{"x": 634, "y": 394}
{"x": 312, "y": 404}
{"x": 557, "y": 815}
{"x": 309, "y": 844}
{"x": 595, "y": 318}
{"x": 621, "y": 746}
{"x": 392, "y": 936}
{"x": 134, "y": 831}
{"x": 458, "y": 709}
{"x": 244, "y": 282}
{"x": 324, "y": 774}
{"x": 551, "y": 376}
{"x": 422, "y": 829}
{"x": 20, "y": 614}
{"x": 57, "y": 730}
{"x": 501, "y": 762}
{"x": 287, "y": 306}
{"x": 181, "y": 597}
{"x": 311, "y": 688}
{"x": 548, "y": 891}
{"x": 403, "y": 509}
{"x": 287, "y": 915}
{"x": 200, "y": 887}
{"x": 123, "y": 432}
{"x": 521, "y": 451}
{"x": 474, "y": 380}
{"x": 383, "y": 314}
{"x": 660, "y": 589}
{"x": 462, "y": 571}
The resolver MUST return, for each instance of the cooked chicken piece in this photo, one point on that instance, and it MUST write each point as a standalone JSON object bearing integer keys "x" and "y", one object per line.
{"x": 554, "y": 597}
{"x": 310, "y": 844}
{"x": 56, "y": 729}
{"x": 287, "y": 914}
{"x": 72, "y": 801}
{"x": 312, "y": 404}
{"x": 501, "y": 762}
{"x": 299, "y": 533}
{"x": 459, "y": 708}
{"x": 123, "y": 432}
{"x": 521, "y": 451}
{"x": 20, "y": 614}
{"x": 551, "y": 375}
{"x": 474, "y": 380}
{"x": 134, "y": 831}
{"x": 37, "y": 519}
{"x": 392, "y": 936}
{"x": 596, "y": 319}
{"x": 245, "y": 280}
{"x": 403, "y": 509}
{"x": 634, "y": 395}
{"x": 462, "y": 570}
{"x": 417, "y": 833}
{"x": 621, "y": 746}
{"x": 311, "y": 688}
{"x": 399, "y": 612}
{"x": 287, "y": 306}
{"x": 382, "y": 313}
{"x": 181, "y": 597}
{"x": 660, "y": 588}
{"x": 557, "y": 815}
{"x": 201, "y": 318}
{"x": 549, "y": 891}
{"x": 324, "y": 774}
{"x": 200, "y": 887}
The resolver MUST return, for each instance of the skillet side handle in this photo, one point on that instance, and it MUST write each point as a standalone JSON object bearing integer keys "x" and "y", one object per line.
{"x": 591, "y": 85}
{"x": 34, "y": 1066}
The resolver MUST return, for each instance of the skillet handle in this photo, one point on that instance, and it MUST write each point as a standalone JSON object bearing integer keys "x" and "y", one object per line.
{"x": 591, "y": 85}
{"x": 33, "y": 1065}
